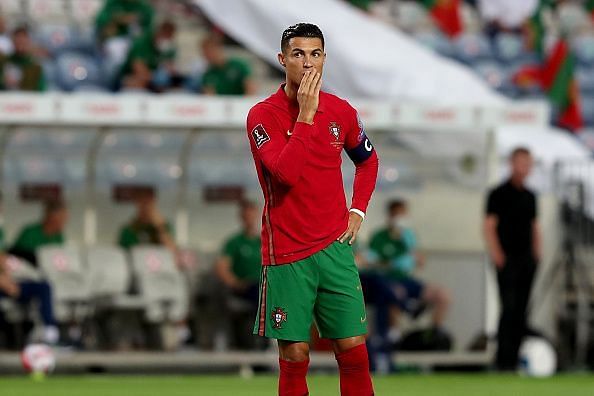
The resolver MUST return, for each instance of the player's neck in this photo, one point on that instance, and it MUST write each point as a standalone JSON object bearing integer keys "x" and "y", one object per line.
{"x": 291, "y": 92}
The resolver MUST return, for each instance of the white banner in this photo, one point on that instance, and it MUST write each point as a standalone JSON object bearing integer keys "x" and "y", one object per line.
{"x": 366, "y": 58}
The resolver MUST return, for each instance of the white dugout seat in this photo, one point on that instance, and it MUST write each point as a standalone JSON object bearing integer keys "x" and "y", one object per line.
{"x": 63, "y": 268}
{"x": 161, "y": 285}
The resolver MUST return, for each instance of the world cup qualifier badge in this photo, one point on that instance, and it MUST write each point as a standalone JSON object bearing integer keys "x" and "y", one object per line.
{"x": 334, "y": 129}
{"x": 278, "y": 316}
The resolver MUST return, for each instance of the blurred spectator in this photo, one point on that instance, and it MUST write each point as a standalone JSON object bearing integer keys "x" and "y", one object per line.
{"x": 49, "y": 231}
{"x": 5, "y": 41}
{"x": 239, "y": 267}
{"x": 506, "y": 15}
{"x": 364, "y": 5}
{"x": 224, "y": 76}
{"x": 117, "y": 25}
{"x": 20, "y": 70}
{"x": 124, "y": 18}
{"x": 513, "y": 241}
{"x": 240, "y": 263}
{"x": 395, "y": 249}
{"x": 148, "y": 226}
{"x": 150, "y": 62}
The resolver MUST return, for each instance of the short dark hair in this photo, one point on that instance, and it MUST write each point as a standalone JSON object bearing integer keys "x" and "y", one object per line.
{"x": 52, "y": 206}
{"x": 395, "y": 204}
{"x": 167, "y": 27}
{"x": 22, "y": 29}
{"x": 300, "y": 30}
{"x": 520, "y": 151}
{"x": 246, "y": 204}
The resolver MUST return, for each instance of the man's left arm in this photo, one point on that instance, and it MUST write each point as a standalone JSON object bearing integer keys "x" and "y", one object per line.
{"x": 536, "y": 241}
{"x": 362, "y": 153}
{"x": 536, "y": 234}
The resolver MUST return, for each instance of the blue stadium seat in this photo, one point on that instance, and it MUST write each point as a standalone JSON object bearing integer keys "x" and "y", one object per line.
{"x": 509, "y": 47}
{"x": 55, "y": 38}
{"x": 436, "y": 42}
{"x": 74, "y": 69}
{"x": 471, "y": 48}
{"x": 585, "y": 79}
{"x": 494, "y": 74}
{"x": 588, "y": 109}
{"x": 583, "y": 49}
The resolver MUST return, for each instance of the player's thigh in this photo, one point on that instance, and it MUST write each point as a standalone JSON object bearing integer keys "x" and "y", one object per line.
{"x": 340, "y": 307}
{"x": 287, "y": 298}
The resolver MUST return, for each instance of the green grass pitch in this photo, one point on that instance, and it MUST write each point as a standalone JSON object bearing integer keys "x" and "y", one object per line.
{"x": 320, "y": 385}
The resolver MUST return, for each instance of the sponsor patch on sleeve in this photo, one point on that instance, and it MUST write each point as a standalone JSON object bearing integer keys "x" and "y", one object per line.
{"x": 260, "y": 136}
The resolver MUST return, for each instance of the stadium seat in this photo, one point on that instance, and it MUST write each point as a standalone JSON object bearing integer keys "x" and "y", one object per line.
{"x": 63, "y": 268}
{"x": 471, "y": 48}
{"x": 585, "y": 79}
{"x": 508, "y": 47}
{"x": 583, "y": 49}
{"x": 56, "y": 38}
{"x": 46, "y": 10}
{"x": 588, "y": 109}
{"x": 85, "y": 11}
{"x": 494, "y": 74}
{"x": 436, "y": 42}
{"x": 160, "y": 283}
{"x": 74, "y": 69}
{"x": 109, "y": 272}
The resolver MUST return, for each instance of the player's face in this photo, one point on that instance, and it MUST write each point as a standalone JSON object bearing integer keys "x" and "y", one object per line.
{"x": 59, "y": 219}
{"x": 301, "y": 55}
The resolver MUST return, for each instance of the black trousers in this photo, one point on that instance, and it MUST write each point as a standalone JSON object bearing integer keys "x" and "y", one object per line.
{"x": 515, "y": 284}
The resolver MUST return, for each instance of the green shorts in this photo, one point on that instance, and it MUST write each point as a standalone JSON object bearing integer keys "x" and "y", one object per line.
{"x": 324, "y": 286}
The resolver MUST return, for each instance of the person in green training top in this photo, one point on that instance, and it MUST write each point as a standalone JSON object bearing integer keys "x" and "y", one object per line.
{"x": 50, "y": 231}
{"x": 124, "y": 18}
{"x": 148, "y": 226}
{"x": 224, "y": 76}
{"x": 20, "y": 70}
{"x": 150, "y": 61}
{"x": 240, "y": 264}
{"x": 394, "y": 248}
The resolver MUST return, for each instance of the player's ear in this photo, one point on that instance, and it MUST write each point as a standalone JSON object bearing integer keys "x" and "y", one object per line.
{"x": 281, "y": 59}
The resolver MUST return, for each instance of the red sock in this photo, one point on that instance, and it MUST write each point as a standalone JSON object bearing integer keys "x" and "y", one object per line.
{"x": 355, "y": 379}
{"x": 291, "y": 381}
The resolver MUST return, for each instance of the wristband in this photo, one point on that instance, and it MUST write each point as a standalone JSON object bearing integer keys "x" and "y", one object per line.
{"x": 359, "y": 212}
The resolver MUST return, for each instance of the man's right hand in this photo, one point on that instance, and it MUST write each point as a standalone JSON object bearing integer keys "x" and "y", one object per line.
{"x": 498, "y": 258}
{"x": 308, "y": 96}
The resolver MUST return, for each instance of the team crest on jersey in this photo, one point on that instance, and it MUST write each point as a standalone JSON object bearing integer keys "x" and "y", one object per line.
{"x": 334, "y": 130}
{"x": 278, "y": 316}
{"x": 260, "y": 136}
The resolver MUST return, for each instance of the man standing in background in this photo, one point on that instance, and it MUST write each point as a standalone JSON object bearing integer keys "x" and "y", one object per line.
{"x": 513, "y": 239}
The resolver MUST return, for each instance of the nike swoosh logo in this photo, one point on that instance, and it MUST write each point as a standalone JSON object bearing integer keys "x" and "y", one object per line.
{"x": 364, "y": 319}
{"x": 368, "y": 145}
{"x": 289, "y": 133}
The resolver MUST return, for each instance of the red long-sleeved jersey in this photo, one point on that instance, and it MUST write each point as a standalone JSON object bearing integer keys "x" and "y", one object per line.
{"x": 299, "y": 169}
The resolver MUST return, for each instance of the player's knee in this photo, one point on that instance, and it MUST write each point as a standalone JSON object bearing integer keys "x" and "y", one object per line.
{"x": 293, "y": 352}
